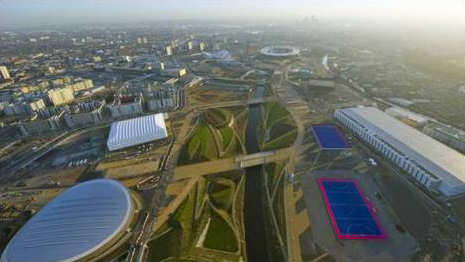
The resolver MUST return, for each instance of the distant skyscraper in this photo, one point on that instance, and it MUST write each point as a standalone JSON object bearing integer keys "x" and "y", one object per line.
{"x": 169, "y": 50}
{"x": 202, "y": 46}
{"x": 4, "y": 75}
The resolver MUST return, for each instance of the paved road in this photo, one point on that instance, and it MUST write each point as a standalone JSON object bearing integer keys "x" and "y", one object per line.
{"x": 30, "y": 157}
{"x": 296, "y": 223}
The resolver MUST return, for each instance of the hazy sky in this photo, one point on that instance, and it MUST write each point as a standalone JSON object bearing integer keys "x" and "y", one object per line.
{"x": 53, "y": 11}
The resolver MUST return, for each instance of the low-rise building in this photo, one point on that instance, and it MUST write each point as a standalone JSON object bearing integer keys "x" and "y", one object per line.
{"x": 174, "y": 72}
{"x": 124, "y": 107}
{"x": 4, "y": 74}
{"x": 39, "y": 127}
{"x": 86, "y": 115}
{"x": 24, "y": 108}
{"x": 61, "y": 81}
{"x": 61, "y": 96}
{"x": 82, "y": 85}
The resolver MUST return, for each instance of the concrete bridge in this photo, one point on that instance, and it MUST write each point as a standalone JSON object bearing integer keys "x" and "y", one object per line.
{"x": 254, "y": 101}
{"x": 228, "y": 164}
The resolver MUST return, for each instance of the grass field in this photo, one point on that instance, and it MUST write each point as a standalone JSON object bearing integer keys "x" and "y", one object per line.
{"x": 220, "y": 235}
{"x": 219, "y": 118}
{"x": 201, "y": 147}
{"x": 179, "y": 239}
{"x": 168, "y": 245}
{"x": 275, "y": 113}
{"x": 273, "y": 170}
{"x": 212, "y": 138}
{"x": 281, "y": 142}
{"x": 220, "y": 195}
{"x": 279, "y": 125}
{"x": 227, "y": 135}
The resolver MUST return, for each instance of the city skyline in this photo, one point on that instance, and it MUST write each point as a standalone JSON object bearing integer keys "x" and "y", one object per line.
{"x": 24, "y": 12}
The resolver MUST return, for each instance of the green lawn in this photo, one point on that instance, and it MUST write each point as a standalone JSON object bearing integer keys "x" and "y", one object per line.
{"x": 184, "y": 217}
{"x": 280, "y": 125}
{"x": 273, "y": 170}
{"x": 275, "y": 113}
{"x": 281, "y": 142}
{"x": 165, "y": 246}
{"x": 227, "y": 135}
{"x": 220, "y": 195}
{"x": 220, "y": 235}
{"x": 218, "y": 117}
{"x": 200, "y": 147}
{"x": 280, "y": 129}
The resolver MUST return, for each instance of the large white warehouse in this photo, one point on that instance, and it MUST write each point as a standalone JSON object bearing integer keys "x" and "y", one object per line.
{"x": 81, "y": 224}
{"x": 136, "y": 131}
{"x": 431, "y": 163}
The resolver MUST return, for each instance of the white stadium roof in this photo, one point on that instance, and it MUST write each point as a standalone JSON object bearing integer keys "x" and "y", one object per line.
{"x": 443, "y": 161}
{"x": 271, "y": 51}
{"x": 136, "y": 131}
{"x": 74, "y": 225}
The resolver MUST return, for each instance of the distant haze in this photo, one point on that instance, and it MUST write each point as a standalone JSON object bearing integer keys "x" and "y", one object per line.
{"x": 25, "y": 12}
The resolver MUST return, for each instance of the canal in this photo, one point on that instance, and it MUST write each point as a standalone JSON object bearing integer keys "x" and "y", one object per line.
{"x": 255, "y": 236}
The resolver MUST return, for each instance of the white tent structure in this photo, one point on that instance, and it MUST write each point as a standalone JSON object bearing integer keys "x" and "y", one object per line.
{"x": 136, "y": 131}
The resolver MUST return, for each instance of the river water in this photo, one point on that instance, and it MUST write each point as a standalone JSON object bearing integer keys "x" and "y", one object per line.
{"x": 254, "y": 210}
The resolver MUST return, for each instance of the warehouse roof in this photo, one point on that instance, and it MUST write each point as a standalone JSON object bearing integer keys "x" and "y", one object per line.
{"x": 74, "y": 225}
{"x": 420, "y": 147}
{"x": 136, "y": 131}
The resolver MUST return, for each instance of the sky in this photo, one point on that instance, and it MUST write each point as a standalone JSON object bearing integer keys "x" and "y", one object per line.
{"x": 74, "y": 11}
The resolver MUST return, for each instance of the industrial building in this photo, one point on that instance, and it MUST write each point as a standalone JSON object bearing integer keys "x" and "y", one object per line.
{"x": 136, "y": 131}
{"x": 408, "y": 117}
{"x": 432, "y": 164}
{"x": 84, "y": 223}
{"x": 448, "y": 135}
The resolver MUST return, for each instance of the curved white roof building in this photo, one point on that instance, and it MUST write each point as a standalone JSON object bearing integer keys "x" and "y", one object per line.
{"x": 82, "y": 221}
{"x": 136, "y": 131}
{"x": 280, "y": 51}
